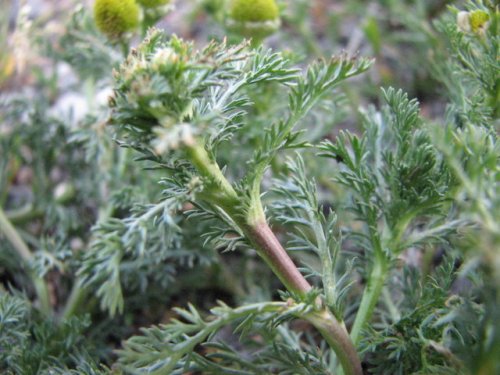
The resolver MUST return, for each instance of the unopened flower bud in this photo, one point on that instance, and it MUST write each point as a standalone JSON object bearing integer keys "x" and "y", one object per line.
{"x": 479, "y": 21}
{"x": 168, "y": 139}
{"x": 164, "y": 58}
{"x": 76, "y": 244}
{"x": 116, "y": 17}
{"x": 476, "y": 21}
{"x": 254, "y": 18}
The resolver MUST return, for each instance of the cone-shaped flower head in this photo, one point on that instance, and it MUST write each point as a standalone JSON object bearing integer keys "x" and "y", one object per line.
{"x": 254, "y": 18}
{"x": 479, "y": 21}
{"x": 115, "y": 17}
{"x": 153, "y": 3}
{"x": 254, "y": 10}
{"x": 476, "y": 21}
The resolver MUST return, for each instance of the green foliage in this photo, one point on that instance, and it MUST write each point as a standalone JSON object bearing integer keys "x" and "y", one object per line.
{"x": 166, "y": 85}
{"x": 396, "y": 177}
{"x": 336, "y": 227}
{"x": 298, "y": 208}
{"x": 84, "y": 48}
{"x": 145, "y": 241}
{"x": 31, "y": 345}
{"x": 168, "y": 349}
{"x": 413, "y": 343}
{"x": 471, "y": 76}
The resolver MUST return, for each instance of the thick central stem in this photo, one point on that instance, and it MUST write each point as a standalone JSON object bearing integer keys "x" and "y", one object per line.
{"x": 270, "y": 249}
{"x": 260, "y": 235}
{"x": 254, "y": 226}
{"x": 277, "y": 258}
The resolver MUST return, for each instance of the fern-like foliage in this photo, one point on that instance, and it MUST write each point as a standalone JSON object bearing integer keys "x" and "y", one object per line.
{"x": 417, "y": 342}
{"x": 31, "y": 345}
{"x": 170, "y": 348}
{"x": 167, "y": 82}
{"x": 319, "y": 79}
{"x": 144, "y": 241}
{"x": 297, "y": 207}
{"x": 396, "y": 175}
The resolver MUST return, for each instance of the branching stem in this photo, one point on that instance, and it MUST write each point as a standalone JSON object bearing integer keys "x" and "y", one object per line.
{"x": 370, "y": 297}
{"x": 253, "y": 225}
{"x": 337, "y": 337}
{"x": 218, "y": 185}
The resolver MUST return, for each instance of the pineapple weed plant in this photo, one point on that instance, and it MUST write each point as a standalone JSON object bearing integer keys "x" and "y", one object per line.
{"x": 215, "y": 174}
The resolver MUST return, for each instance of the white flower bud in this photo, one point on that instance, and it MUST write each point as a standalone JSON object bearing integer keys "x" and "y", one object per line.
{"x": 164, "y": 58}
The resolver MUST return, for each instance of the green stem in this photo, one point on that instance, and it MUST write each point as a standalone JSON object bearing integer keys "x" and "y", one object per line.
{"x": 42, "y": 293}
{"x": 23, "y": 214}
{"x": 14, "y": 238}
{"x": 75, "y": 299}
{"x": 218, "y": 184}
{"x": 25, "y": 254}
{"x": 494, "y": 101}
{"x": 253, "y": 225}
{"x": 222, "y": 194}
{"x": 337, "y": 337}
{"x": 370, "y": 297}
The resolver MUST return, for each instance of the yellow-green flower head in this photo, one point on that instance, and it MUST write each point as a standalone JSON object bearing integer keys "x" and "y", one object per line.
{"x": 153, "y": 3}
{"x": 254, "y": 18}
{"x": 479, "y": 21}
{"x": 476, "y": 21}
{"x": 254, "y": 10}
{"x": 115, "y": 17}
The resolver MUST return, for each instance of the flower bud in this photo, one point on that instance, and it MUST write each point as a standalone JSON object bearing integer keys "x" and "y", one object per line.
{"x": 116, "y": 17}
{"x": 153, "y": 3}
{"x": 254, "y": 18}
{"x": 479, "y": 21}
{"x": 164, "y": 59}
{"x": 476, "y": 21}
